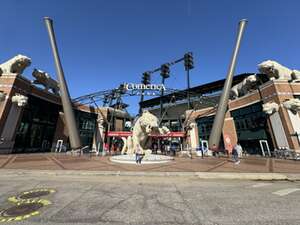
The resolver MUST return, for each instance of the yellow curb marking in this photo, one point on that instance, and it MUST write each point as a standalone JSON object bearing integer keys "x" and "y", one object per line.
{"x": 18, "y": 218}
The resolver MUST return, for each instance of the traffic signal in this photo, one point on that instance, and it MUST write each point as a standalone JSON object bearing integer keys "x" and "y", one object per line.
{"x": 146, "y": 78}
{"x": 105, "y": 100}
{"x": 188, "y": 61}
{"x": 122, "y": 89}
{"x": 165, "y": 70}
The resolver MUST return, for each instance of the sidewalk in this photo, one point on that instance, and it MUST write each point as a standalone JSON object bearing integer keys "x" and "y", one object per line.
{"x": 217, "y": 168}
{"x": 198, "y": 175}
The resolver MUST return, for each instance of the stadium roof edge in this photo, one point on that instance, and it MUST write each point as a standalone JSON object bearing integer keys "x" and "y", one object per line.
{"x": 199, "y": 90}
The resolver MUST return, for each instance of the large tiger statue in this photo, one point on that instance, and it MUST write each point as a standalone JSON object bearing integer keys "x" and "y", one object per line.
{"x": 274, "y": 70}
{"x": 244, "y": 87}
{"x": 293, "y": 105}
{"x": 144, "y": 126}
{"x": 270, "y": 107}
{"x": 19, "y": 100}
{"x": 45, "y": 79}
{"x": 2, "y": 96}
{"x": 15, "y": 65}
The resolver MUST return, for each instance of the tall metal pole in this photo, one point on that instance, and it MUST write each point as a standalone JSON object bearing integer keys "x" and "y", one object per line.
{"x": 142, "y": 99}
{"x": 64, "y": 92}
{"x": 188, "y": 89}
{"x": 217, "y": 127}
{"x": 161, "y": 98}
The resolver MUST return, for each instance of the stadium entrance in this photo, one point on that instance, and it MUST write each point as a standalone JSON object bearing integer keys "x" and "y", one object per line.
{"x": 252, "y": 129}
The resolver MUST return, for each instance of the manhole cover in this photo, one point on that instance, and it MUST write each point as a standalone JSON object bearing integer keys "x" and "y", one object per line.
{"x": 22, "y": 209}
{"x": 31, "y": 196}
{"x": 34, "y": 194}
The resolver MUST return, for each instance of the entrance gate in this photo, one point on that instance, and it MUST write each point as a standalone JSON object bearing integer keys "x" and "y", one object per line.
{"x": 252, "y": 128}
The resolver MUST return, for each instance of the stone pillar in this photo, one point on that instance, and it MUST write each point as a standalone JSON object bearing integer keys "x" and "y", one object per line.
{"x": 10, "y": 126}
{"x": 292, "y": 107}
{"x": 193, "y": 133}
{"x": 271, "y": 109}
{"x": 4, "y": 104}
{"x": 98, "y": 139}
{"x": 229, "y": 134}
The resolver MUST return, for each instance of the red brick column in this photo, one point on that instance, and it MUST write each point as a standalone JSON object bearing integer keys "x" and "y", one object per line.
{"x": 229, "y": 134}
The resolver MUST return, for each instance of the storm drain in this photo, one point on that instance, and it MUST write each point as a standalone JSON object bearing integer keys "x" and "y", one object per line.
{"x": 21, "y": 209}
{"x": 35, "y": 194}
{"x": 29, "y": 195}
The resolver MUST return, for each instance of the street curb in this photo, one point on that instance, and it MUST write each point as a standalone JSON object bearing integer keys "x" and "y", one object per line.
{"x": 200, "y": 175}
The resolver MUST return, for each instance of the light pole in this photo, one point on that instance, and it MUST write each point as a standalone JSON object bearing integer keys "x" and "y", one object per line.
{"x": 188, "y": 64}
{"x": 145, "y": 80}
{"x": 165, "y": 73}
{"x": 188, "y": 89}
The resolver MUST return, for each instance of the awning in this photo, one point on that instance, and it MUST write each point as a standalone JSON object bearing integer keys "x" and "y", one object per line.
{"x": 171, "y": 134}
{"x": 119, "y": 133}
{"x": 128, "y": 133}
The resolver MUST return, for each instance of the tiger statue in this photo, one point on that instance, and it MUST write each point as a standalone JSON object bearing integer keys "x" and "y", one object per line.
{"x": 144, "y": 126}
{"x": 242, "y": 88}
{"x": 45, "y": 79}
{"x": 274, "y": 70}
{"x": 15, "y": 65}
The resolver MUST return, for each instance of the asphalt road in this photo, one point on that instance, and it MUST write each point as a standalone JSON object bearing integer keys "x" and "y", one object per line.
{"x": 148, "y": 200}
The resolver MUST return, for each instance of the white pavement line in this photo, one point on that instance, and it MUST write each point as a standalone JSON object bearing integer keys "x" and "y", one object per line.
{"x": 258, "y": 185}
{"x": 286, "y": 191}
{"x": 242, "y": 176}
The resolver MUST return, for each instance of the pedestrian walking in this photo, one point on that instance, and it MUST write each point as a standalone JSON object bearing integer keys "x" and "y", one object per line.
{"x": 215, "y": 151}
{"x": 154, "y": 147}
{"x": 138, "y": 155}
{"x": 199, "y": 151}
{"x": 236, "y": 152}
{"x": 202, "y": 152}
{"x": 173, "y": 149}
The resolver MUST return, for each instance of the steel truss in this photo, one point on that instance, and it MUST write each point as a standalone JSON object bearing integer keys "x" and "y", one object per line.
{"x": 110, "y": 97}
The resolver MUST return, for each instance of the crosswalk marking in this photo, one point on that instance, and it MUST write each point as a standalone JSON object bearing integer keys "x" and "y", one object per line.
{"x": 261, "y": 185}
{"x": 286, "y": 191}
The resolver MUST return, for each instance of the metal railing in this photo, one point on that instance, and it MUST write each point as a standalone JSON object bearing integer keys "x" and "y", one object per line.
{"x": 286, "y": 153}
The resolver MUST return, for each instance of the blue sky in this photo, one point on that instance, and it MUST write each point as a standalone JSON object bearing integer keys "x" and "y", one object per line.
{"x": 104, "y": 43}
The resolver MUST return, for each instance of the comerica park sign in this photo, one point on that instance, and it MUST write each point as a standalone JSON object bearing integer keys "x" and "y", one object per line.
{"x": 153, "y": 87}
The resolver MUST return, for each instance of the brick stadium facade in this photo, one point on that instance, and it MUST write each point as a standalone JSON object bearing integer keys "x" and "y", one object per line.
{"x": 245, "y": 121}
{"x": 38, "y": 125}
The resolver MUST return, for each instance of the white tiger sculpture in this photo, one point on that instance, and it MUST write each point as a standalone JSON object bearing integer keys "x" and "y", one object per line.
{"x": 295, "y": 75}
{"x": 243, "y": 87}
{"x": 293, "y": 105}
{"x": 21, "y": 100}
{"x": 45, "y": 79}
{"x": 2, "y": 96}
{"x": 270, "y": 108}
{"x": 15, "y": 65}
{"x": 274, "y": 70}
{"x": 144, "y": 126}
